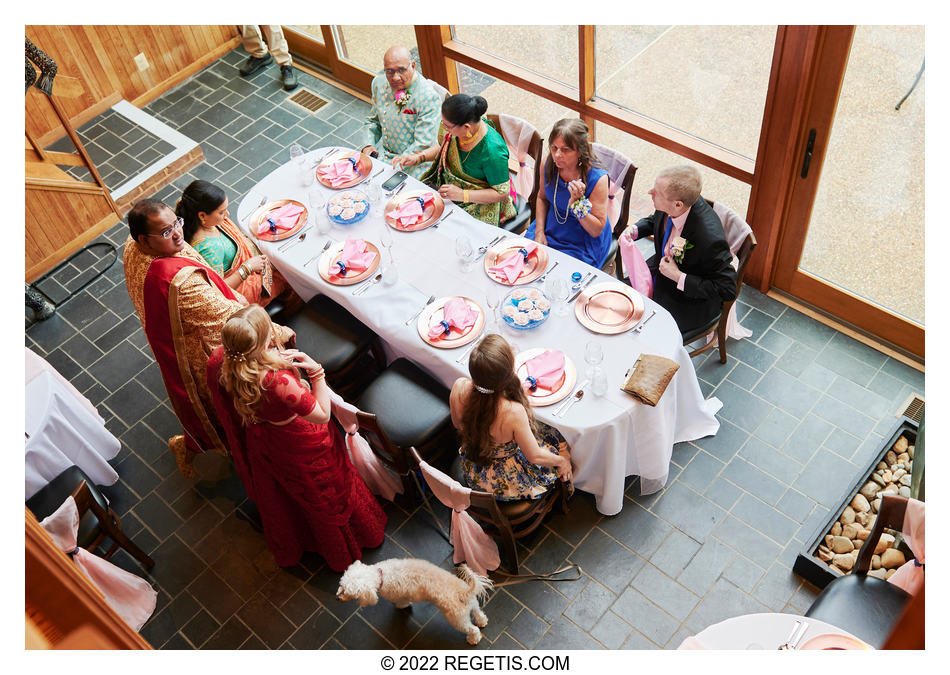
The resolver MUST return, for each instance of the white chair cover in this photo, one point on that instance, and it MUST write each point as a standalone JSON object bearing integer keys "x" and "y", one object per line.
{"x": 517, "y": 134}
{"x": 616, "y": 164}
{"x": 736, "y": 230}
{"x": 472, "y": 545}
{"x": 131, "y": 596}
{"x": 379, "y": 478}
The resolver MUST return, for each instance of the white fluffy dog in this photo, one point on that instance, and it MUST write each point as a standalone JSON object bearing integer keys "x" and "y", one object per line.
{"x": 406, "y": 580}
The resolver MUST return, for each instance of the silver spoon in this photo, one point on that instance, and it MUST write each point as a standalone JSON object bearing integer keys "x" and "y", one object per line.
{"x": 577, "y": 397}
{"x": 362, "y": 289}
{"x": 303, "y": 235}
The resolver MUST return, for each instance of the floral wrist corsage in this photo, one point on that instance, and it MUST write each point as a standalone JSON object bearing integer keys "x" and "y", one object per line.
{"x": 581, "y": 208}
{"x": 679, "y": 248}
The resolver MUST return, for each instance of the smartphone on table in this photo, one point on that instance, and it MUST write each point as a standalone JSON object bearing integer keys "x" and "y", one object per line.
{"x": 395, "y": 181}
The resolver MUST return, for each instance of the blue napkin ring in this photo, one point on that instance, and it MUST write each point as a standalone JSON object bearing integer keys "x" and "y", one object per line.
{"x": 531, "y": 382}
{"x": 445, "y": 324}
{"x": 272, "y": 225}
{"x": 353, "y": 161}
{"x": 342, "y": 266}
{"x": 422, "y": 202}
{"x": 524, "y": 252}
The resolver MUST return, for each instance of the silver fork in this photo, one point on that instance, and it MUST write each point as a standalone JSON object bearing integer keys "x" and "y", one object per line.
{"x": 325, "y": 247}
{"x": 248, "y": 217}
{"x": 544, "y": 276}
{"x": 448, "y": 212}
{"x": 422, "y": 309}
{"x": 798, "y": 632}
{"x": 482, "y": 250}
{"x": 464, "y": 355}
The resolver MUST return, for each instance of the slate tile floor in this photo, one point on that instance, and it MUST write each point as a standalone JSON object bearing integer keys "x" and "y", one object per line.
{"x": 804, "y": 408}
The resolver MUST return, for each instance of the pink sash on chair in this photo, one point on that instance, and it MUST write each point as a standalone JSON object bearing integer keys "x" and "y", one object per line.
{"x": 616, "y": 165}
{"x": 736, "y": 230}
{"x": 379, "y": 478}
{"x": 910, "y": 575}
{"x": 130, "y": 596}
{"x": 478, "y": 550}
{"x": 517, "y": 134}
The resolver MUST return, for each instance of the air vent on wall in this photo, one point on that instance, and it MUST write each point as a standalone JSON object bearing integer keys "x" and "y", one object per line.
{"x": 912, "y": 408}
{"x": 307, "y": 99}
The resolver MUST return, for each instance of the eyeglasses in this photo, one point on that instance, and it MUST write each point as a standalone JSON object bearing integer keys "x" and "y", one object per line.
{"x": 395, "y": 71}
{"x": 167, "y": 234}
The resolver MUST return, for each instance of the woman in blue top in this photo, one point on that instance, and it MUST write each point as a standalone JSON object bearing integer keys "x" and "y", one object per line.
{"x": 572, "y": 208}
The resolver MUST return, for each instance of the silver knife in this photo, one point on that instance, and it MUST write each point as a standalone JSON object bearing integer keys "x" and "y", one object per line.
{"x": 639, "y": 326}
{"x": 399, "y": 189}
{"x": 590, "y": 278}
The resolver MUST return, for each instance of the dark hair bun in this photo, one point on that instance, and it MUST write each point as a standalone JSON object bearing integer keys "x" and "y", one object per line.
{"x": 480, "y": 106}
{"x": 461, "y": 109}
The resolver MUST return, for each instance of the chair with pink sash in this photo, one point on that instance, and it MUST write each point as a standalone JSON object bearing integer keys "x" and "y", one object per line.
{"x": 741, "y": 243}
{"x": 472, "y": 544}
{"x": 524, "y": 149}
{"x": 620, "y": 172}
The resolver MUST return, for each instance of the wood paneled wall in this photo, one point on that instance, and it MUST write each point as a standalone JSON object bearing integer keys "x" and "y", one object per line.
{"x": 102, "y": 57}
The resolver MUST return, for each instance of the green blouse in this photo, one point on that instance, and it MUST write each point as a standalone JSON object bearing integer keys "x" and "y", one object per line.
{"x": 218, "y": 251}
{"x": 487, "y": 161}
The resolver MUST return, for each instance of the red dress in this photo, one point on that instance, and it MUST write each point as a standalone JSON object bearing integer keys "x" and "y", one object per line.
{"x": 299, "y": 475}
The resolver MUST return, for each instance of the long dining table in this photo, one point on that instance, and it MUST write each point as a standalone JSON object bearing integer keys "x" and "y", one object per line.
{"x": 612, "y": 436}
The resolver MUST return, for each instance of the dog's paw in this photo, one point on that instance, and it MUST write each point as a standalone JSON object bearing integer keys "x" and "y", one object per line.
{"x": 403, "y": 605}
{"x": 473, "y": 635}
{"x": 480, "y": 619}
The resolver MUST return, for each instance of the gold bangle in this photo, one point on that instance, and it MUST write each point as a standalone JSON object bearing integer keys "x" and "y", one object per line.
{"x": 465, "y": 196}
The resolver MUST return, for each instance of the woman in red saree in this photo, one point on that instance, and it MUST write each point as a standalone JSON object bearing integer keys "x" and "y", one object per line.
{"x": 207, "y": 225}
{"x": 293, "y": 464}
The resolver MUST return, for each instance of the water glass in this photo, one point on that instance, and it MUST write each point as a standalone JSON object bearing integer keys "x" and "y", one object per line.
{"x": 298, "y": 157}
{"x": 598, "y": 381}
{"x": 386, "y": 239}
{"x": 556, "y": 288}
{"x": 373, "y": 192}
{"x": 318, "y": 209}
{"x": 465, "y": 252}
{"x": 593, "y": 353}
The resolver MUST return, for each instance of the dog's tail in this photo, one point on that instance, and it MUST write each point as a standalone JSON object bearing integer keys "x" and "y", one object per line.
{"x": 478, "y": 584}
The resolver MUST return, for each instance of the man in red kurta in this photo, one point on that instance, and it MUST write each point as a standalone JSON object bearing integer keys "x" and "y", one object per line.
{"x": 182, "y": 304}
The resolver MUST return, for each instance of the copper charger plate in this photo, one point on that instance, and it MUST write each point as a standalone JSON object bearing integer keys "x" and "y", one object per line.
{"x": 533, "y": 268}
{"x": 332, "y": 255}
{"x": 430, "y": 214}
{"x": 262, "y": 212}
{"x": 432, "y": 315}
{"x": 834, "y": 641}
{"x": 609, "y": 307}
{"x": 541, "y": 396}
{"x": 364, "y": 167}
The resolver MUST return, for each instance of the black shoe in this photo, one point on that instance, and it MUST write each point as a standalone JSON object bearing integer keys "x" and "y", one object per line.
{"x": 255, "y": 63}
{"x": 289, "y": 77}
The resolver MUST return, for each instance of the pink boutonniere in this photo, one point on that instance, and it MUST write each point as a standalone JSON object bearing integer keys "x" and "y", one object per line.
{"x": 678, "y": 249}
{"x": 402, "y": 99}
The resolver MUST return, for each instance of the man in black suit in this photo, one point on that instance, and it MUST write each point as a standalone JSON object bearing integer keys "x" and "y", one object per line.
{"x": 692, "y": 268}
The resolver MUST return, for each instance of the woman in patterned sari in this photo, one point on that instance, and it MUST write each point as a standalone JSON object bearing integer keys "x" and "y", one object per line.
{"x": 208, "y": 228}
{"x": 471, "y": 161}
{"x": 505, "y": 450}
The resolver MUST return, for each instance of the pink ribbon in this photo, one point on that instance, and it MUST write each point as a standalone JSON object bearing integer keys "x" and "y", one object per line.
{"x": 412, "y": 211}
{"x": 547, "y": 368}
{"x": 354, "y": 257}
{"x": 910, "y": 575}
{"x": 280, "y": 220}
{"x": 455, "y": 314}
{"x": 512, "y": 266}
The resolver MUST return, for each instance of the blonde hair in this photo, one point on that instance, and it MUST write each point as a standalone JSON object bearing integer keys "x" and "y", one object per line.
{"x": 492, "y": 367}
{"x": 247, "y": 337}
{"x": 683, "y": 183}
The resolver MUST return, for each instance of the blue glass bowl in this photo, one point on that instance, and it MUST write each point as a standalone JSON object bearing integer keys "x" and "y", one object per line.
{"x": 513, "y": 302}
{"x": 357, "y": 196}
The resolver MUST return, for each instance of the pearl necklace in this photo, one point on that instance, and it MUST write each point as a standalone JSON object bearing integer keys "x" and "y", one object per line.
{"x": 567, "y": 212}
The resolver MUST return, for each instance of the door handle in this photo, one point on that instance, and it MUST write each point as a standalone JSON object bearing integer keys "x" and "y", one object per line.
{"x": 809, "y": 148}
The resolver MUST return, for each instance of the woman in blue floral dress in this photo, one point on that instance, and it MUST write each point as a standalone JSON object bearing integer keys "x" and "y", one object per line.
{"x": 505, "y": 450}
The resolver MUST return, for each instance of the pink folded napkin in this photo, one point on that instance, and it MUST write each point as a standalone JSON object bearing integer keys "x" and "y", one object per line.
{"x": 512, "y": 266}
{"x": 546, "y": 369}
{"x": 354, "y": 258}
{"x": 455, "y": 314}
{"x": 280, "y": 220}
{"x": 412, "y": 211}
{"x": 339, "y": 172}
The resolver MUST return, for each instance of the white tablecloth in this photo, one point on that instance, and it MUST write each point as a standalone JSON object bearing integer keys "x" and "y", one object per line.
{"x": 62, "y": 432}
{"x": 761, "y": 631}
{"x": 612, "y": 437}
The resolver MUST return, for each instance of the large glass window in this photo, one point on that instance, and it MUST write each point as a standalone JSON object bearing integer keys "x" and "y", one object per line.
{"x": 547, "y": 50}
{"x": 364, "y": 46}
{"x": 509, "y": 99}
{"x": 708, "y": 81}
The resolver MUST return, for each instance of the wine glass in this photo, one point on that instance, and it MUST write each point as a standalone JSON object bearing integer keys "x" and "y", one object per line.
{"x": 556, "y": 288}
{"x": 373, "y": 192}
{"x": 297, "y": 156}
{"x": 386, "y": 239}
{"x": 492, "y": 300}
{"x": 318, "y": 208}
{"x": 465, "y": 252}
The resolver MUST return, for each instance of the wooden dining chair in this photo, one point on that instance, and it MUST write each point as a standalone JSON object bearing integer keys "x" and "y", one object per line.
{"x": 509, "y": 521}
{"x": 406, "y": 407}
{"x": 863, "y": 605}
{"x": 525, "y": 204}
{"x": 620, "y": 172}
{"x": 350, "y": 352}
{"x": 719, "y": 324}
{"x": 97, "y": 520}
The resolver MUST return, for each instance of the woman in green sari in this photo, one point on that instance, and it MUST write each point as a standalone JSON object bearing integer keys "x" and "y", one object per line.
{"x": 471, "y": 161}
